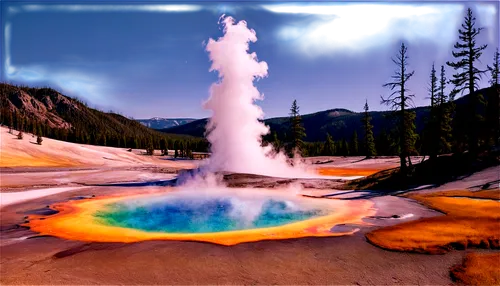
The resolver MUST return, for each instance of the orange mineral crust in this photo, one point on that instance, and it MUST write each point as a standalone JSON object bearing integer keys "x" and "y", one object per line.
{"x": 472, "y": 219}
{"x": 347, "y": 172}
{"x": 76, "y": 221}
{"x": 478, "y": 269}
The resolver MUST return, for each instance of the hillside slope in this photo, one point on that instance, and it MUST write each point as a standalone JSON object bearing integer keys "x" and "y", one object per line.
{"x": 46, "y": 111}
{"x": 340, "y": 123}
{"x": 55, "y": 153}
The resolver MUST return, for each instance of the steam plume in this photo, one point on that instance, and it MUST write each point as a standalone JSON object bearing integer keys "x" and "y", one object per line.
{"x": 234, "y": 130}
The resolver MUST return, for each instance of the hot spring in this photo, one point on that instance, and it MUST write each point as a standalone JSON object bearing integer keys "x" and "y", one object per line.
{"x": 224, "y": 216}
{"x": 188, "y": 213}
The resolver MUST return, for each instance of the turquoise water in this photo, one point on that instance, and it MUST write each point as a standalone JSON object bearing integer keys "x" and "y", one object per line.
{"x": 180, "y": 215}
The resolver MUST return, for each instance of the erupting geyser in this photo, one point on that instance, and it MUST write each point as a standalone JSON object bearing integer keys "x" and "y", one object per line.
{"x": 234, "y": 130}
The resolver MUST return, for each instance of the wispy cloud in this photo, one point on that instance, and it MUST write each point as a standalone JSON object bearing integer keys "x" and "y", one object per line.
{"x": 415, "y": 28}
{"x": 103, "y": 6}
{"x": 93, "y": 88}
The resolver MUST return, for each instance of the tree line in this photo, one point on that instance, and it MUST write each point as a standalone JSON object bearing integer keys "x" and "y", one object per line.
{"x": 474, "y": 126}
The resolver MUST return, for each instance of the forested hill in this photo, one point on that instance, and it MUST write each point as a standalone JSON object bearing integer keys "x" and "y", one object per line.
{"x": 340, "y": 123}
{"x": 47, "y": 112}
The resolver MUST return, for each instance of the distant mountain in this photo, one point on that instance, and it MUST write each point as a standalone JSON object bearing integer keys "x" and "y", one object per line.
{"x": 340, "y": 123}
{"x": 163, "y": 123}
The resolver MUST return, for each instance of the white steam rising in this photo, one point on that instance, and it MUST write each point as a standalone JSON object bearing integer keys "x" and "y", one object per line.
{"x": 234, "y": 128}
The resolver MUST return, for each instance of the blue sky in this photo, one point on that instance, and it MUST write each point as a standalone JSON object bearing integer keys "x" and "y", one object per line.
{"x": 148, "y": 59}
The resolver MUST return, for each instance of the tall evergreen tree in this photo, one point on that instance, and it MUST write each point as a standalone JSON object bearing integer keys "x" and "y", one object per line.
{"x": 276, "y": 142}
{"x": 433, "y": 88}
{"x": 345, "y": 147}
{"x": 493, "y": 107}
{"x": 339, "y": 148}
{"x": 445, "y": 110}
{"x": 150, "y": 149}
{"x": 163, "y": 146}
{"x": 135, "y": 143}
{"x": 432, "y": 125}
{"x": 354, "y": 144}
{"x": 468, "y": 75}
{"x": 181, "y": 149}
{"x": 297, "y": 130}
{"x": 34, "y": 129}
{"x": 494, "y": 69}
{"x": 10, "y": 122}
{"x": 400, "y": 101}
{"x": 328, "y": 146}
{"x": 369, "y": 141}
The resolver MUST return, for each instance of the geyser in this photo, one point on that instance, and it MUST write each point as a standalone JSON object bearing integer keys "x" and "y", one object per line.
{"x": 234, "y": 130}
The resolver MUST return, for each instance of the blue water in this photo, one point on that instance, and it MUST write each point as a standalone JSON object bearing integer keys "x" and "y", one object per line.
{"x": 202, "y": 216}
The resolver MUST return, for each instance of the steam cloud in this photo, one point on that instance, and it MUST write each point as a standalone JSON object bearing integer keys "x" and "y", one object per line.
{"x": 234, "y": 130}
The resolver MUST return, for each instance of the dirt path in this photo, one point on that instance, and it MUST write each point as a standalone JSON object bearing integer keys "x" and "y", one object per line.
{"x": 343, "y": 260}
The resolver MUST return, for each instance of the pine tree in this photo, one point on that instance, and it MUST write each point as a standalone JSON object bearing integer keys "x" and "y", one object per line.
{"x": 445, "y": 109}
{"x": 432, "y": 125}
{"x": 16, "y": 121}
{"x": 135, "y": 143}
{"x": 20, "y": 135}
{"x": 493, "y": 107}
{"x": 328, "y": 146}
{"x": 297, "y": 130}
{"x": 345, "y": 147}
{"x": 369, "y": 141}
{"x": 354, "y": 144}
{"x": 495, "y": 69}
{"x": 163, "y": 146}
{"x": 468, "y": 75}
{"x": 10, "y": 122}
{"x": 433, "y": 88}
{"x": 181, "y": 149}
{"x": 276, "y": 143}
{"x": 400, "y": 101}
{"x": 34, "y": 129}
{"x": 19, "y": 121}
{"x": 39, "y": 140}
{"x": 150, "y": 149}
